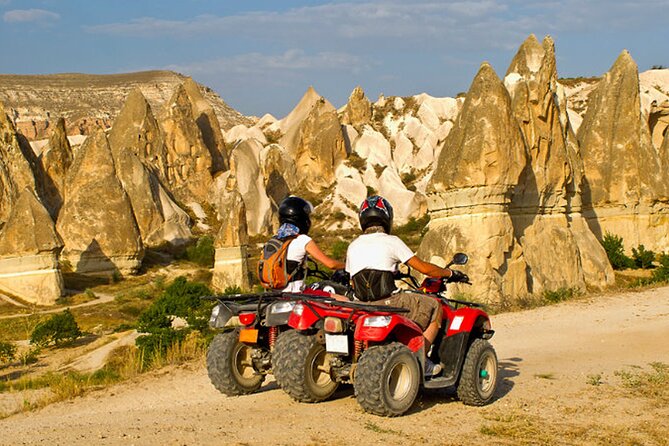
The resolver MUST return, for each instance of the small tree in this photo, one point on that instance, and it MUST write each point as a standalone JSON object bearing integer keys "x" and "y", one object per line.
{"x": 7, "y": 351}
{"x": 661, "y": 273}
{"x": 59, "y": 328}
{"x": 202, "y": 252}
{"x": 615, "y": 251}
{"x": 643, "y": 258}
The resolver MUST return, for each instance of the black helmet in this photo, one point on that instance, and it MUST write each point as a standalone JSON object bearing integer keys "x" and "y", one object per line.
{"x": 296, "y": 210}
{"x": 376, "y": 211}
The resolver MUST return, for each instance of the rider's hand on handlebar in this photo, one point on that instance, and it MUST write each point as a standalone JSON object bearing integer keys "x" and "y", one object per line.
{"x": 458, "y": 276}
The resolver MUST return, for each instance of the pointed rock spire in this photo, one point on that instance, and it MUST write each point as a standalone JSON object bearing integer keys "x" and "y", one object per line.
{"x": 137, "y": 129}
{"x": 29, "y": 246}
{"x": 96, "y": 221}
{"x": 478, "y": 169}
{"x": 158, "y": 218}
{"x": 189, "y": 162}
{"x": 207, "y": 122}
{"x": 291, "y": 124}
{"x": 56, "y": 160}
{"x": 231, "y": 259}
{"x": 16, "y": 165}
{"x": 358, "y": 110}
{"x": 626, "y": 179}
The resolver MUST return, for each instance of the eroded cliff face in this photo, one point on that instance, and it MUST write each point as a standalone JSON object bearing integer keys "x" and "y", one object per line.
{"x": 627, "y": 189}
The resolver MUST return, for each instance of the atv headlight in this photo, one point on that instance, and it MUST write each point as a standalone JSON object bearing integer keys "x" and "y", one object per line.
{"x": 214, "y": 314}
{"x": 282, "y": 307}
{"x": 377, "y": 321}
{"x": 298, "y": 309}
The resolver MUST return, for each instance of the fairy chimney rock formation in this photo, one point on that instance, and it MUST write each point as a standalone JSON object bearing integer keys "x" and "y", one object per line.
{"x": 16, "y": 168}
{"x": 358, "y": 111}
{"x": 137, "y": 129}
{"x": 29, "y": 246}
{"x": 56, "y": 160}
{"x": 321, "y": 147}
{"x": 553, "y": 247}
{"x": 627, "y": 188}
{"x": 471, "y": 189}
{"x": 231, "y": 243}
{"x": 189, "y": 162}
{"x": 290, "y": 125}
{"x": 96, "y": 222}
{"x": 158, "y": 218}
{"x": 209, "y": 126}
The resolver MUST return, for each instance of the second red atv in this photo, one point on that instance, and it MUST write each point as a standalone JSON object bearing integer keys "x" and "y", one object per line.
{"x": 382, "y": 353}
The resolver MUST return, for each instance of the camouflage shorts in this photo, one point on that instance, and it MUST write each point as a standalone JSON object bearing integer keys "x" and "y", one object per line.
{"x": 423, "y": 310}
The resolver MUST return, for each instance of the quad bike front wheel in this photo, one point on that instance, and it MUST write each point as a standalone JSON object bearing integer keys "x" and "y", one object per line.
{"x": 387, "y": 379}
{"x": 478, "y": 379}
{"x": 230, "y": 367}
{"x": 301, "y": 366}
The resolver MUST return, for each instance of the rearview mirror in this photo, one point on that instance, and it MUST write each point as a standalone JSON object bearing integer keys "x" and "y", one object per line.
{"x": 460, "y": 258}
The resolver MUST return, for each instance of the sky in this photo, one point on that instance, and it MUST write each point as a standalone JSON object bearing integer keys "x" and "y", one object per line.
{"x": 261, "y": 56}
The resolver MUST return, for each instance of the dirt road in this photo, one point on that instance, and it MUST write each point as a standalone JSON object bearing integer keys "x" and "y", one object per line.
{"x": 558, "y": 386}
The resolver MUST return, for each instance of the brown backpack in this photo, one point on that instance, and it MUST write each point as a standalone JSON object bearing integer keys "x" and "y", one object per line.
{"x": 273, "y": 264}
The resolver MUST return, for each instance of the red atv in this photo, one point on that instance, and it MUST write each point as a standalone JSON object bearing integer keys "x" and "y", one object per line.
{"x": 381, "y": 352}
{"x": 240, "y": 356}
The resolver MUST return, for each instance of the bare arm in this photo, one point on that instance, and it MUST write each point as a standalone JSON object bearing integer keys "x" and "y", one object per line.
{"x": 315, "y": 252}
{"x": 427, "y": 268}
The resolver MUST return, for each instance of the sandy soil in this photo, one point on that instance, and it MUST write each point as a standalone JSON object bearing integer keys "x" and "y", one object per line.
{"x": 547, "y": 357}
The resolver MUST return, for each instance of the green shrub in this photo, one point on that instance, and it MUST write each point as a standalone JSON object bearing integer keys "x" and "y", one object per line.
{"x": 559, "y": 295}
{"x": 202, "y": 252}
{"x": 338, "y": 250}
{"x": 181, "y": 299}
{"x": 371, "y": 191}
{"x": 232, "y": 290}
{"x": 57, "y": 329}
{"x": 661, "y": 273}
{"x": 7, "y": 351}
{"x": 615, "y": 251}
{"x": 643, "y": 258}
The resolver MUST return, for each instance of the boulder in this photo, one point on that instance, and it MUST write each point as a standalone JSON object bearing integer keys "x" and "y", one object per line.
{"x": 207, "y": 122}
{"x": 189, "y": 162}
{"x": 231, "y": 243}
{"x": 137, "y": 129}
{"x": 96, "y": 222}
{"x": 358, "y": 111}
{"x": 55, "y": 160}
{"x": 626, "y": 191}
{"x": 29, "y": 247}
{"x": 470, "y": 192}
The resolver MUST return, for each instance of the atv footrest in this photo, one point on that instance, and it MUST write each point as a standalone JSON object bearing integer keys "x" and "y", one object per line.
{"x": 438, "y": 382}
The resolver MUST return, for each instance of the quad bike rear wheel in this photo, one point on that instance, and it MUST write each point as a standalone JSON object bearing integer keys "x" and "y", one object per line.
{"x": 301, "y": 367}
{"x": 387, "y": 379}
{"x": 478, "y": 379}
{"x": 230, "y": 367}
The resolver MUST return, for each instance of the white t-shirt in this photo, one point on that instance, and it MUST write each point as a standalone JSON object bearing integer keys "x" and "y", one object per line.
{"x": 376, "y": 251}
{"x": 297, "y": 251}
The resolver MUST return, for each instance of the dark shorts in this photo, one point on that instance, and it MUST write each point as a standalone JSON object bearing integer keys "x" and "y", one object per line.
{"x": 423, "y": 310}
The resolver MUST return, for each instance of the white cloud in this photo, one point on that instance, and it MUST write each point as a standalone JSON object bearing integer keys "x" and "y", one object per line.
{"x": 273, "y": 65}
{"x": 29, "y": 15}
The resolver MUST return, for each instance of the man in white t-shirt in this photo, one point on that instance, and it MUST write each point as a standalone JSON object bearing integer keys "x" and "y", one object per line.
{"x": 294, "y": 216}
{"x": 373, "y": 258}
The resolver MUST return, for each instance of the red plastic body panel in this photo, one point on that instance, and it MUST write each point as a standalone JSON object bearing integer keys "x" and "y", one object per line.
{"x": 405, "y": 330}
{"x": 462, "y": 319}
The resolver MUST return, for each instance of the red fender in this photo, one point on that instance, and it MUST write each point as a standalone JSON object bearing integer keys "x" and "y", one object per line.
{"x": 405, "y": 330}
{"x": 463, "y": 319}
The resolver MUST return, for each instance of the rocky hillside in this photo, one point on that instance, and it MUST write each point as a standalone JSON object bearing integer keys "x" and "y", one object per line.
{"x": 87, "y": 101}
